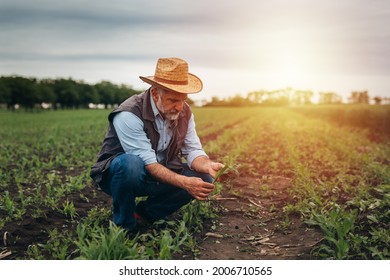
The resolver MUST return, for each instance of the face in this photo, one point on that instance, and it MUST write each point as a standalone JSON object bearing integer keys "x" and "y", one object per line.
{"x": 169, "y": 103}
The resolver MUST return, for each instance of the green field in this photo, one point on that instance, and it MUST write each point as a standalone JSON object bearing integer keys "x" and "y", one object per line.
{"x": 335, "y": 160}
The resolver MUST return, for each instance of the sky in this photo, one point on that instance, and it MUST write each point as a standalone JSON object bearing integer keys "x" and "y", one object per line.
{"x": 235, "y": 47}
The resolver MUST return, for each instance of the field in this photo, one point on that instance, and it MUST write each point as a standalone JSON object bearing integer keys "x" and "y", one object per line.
{"x": 303, "y": 183}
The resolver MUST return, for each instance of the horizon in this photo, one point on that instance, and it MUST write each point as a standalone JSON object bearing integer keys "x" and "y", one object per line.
{"x": 315, "y": 98}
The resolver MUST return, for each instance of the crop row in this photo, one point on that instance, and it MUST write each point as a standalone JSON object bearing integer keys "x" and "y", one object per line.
{"x": 340, "y": 183}
{"x": 340, "y": 179}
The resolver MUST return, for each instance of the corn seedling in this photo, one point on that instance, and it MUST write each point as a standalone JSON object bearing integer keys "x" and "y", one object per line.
{"x": 45, "y": 157}
{"x": 228, "y": 167}
{"x": 99, "y": 243}
{"x": 69, "y": 209}
{"x": 336, "y": 224}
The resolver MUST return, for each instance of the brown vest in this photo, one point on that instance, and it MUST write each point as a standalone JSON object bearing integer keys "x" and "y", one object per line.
{"x": 141, "y": 106}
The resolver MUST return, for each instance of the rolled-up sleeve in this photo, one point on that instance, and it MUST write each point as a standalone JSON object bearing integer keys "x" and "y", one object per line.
{"x": 192, "y": 147}
{"x": 131, "y": 134}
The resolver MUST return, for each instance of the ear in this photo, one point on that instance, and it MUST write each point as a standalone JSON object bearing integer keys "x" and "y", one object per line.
{"x": 154, "y": 93}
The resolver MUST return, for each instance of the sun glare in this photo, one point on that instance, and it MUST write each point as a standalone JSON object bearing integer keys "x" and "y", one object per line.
{"x": 291, "y": 55}
{"x": 289, "y": 69}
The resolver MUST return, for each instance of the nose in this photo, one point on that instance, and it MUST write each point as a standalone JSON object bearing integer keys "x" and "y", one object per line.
{"x": 179, "y": 106}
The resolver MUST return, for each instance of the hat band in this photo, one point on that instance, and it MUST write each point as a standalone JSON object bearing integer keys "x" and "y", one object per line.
{"x": 157, "y": 79}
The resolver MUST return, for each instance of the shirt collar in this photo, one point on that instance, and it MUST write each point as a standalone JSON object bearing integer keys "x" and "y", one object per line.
{"x": 156, "y": 112}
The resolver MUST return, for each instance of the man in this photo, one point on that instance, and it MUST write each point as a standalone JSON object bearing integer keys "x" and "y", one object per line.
{"x": 141, "y": 154}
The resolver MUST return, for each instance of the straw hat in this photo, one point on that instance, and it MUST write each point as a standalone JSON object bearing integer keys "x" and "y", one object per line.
{"x": 172, "y": 74}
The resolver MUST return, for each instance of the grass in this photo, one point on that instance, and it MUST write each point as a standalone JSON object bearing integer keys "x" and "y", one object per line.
{"x": 339, "y": 168}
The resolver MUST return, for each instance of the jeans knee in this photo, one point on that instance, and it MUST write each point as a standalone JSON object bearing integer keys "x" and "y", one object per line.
{"x": 207, "y": 178}
{"x": 130, "y": 168}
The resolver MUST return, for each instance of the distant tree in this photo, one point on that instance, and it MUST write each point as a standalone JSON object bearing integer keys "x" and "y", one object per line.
{"x": 329, "y": 98}
{"x": 67, "y": 93}
{"x": 378, "y": 100}
{"x": 279, "y": 97}
{"x": 24, "y": 91}
{"x": 303, "y": 97}
{"x": 123, "y": 92}
{"x": 5, "y": 92}
{"x": 46, "y": 87}
{"x": 87, "y": 94}
{"x": 215, "y": 101}
{"x": 106, "y": 91}
{"x": 359, "y": 97}
{"x": 237, "y": 101}
{"x": 61, "y": 93}
{"x": 257, "y": 96}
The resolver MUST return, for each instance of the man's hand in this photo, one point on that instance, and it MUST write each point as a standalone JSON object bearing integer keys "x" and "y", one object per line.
{"x": 194, "y": 185}
{"x": 214, "y": 167}
{"x": 205, "y": 165}
{"x": 199, "y": 189}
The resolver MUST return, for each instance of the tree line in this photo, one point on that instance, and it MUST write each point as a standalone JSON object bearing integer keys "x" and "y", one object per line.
{"x": 30, "y": 93}
{"x": 289, "y": 96}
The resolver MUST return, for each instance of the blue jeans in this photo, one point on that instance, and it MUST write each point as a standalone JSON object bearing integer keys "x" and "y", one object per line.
{"x": 127, "y": 179}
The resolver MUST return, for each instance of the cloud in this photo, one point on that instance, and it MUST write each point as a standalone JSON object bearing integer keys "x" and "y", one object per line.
{"x": 121, "y": 30}
{"x": 97, "y": 14}
{"x": 266, "y": 38}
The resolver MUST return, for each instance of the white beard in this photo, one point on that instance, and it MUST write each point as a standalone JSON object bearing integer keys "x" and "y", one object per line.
{"x": 168, "y": 115}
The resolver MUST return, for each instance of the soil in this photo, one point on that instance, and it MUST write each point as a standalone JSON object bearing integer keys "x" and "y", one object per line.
{"x": 24, "y": 233}
{"x": 251, "y": 223}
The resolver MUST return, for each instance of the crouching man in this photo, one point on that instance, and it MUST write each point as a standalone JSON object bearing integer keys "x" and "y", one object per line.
{"x": 148, "y": 134}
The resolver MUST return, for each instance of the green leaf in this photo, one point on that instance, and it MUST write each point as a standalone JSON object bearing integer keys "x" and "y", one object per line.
{"x": 372, "y": 218}
{"x": 225, "y": 169}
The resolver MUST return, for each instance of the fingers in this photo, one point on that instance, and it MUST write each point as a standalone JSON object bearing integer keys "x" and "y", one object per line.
{"x": 204, "y": 191}
{"x": 201, "y": 190}
{"x": 214, "y": 168}
{"x": 201, "y": 197}
{"x": 217, "y": 165}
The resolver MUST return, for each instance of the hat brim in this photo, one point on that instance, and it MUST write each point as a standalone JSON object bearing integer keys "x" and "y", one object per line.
{"x": 194, "y": 85}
